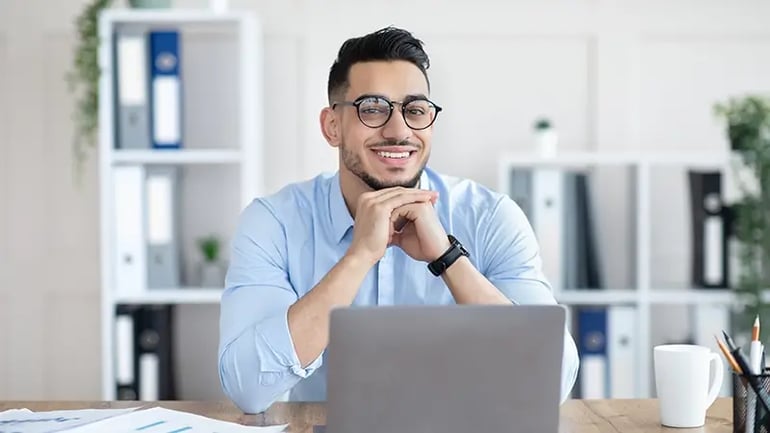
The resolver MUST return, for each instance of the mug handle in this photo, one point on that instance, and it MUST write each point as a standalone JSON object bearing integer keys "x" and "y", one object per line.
{"x": 716, "y": 378}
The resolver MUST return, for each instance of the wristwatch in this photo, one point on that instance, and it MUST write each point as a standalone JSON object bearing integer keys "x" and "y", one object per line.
{"x": 455, "y": 251}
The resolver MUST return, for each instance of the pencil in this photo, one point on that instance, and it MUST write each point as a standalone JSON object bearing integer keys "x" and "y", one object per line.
{"x": 729, "y": 341}
{"x": 755, "y": 330}
{"x": 728, "y": 356}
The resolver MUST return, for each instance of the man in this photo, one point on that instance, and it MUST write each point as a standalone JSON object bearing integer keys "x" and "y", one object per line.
{"x": 366, "y": 235}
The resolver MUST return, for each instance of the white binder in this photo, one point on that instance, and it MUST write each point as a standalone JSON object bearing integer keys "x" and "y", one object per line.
{"x": 132, "y": 89}
{"x": 621, "y": 348}
{"x": 162, "y": 240}
{"x": 547, "y": 221}
{"x": 130, "y": 254}
{"x": 708, "y": 320}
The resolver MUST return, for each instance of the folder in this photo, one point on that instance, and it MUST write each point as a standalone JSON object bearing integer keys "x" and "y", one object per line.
{"x": 125, "y": 368}
{"x": 621, "y": 349}
{"x": 130, "y": 259}
{"x": 132, "y": 88}
{"x": 163, "y": 270}
{"x": 707, "y": 320}
{"x": 166, "y": 90}
{"x": 709, "y": 235}
{"x": 154, "y": 347}
{"x": 592, "y": 348}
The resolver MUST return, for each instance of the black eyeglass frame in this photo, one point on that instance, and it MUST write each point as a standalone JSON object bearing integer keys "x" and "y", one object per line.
{"x": 360, "y": 100}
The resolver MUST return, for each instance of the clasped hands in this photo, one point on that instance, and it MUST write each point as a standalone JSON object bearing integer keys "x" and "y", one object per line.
{"x": 398, "y": 216}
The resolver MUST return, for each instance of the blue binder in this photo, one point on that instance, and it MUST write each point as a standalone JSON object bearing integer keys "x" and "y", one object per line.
{"x": 166, "y": 90}
{"x": 592, "y": 348}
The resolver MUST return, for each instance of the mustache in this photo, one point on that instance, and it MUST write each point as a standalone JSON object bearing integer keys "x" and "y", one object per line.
{"x": 391, "y": 143}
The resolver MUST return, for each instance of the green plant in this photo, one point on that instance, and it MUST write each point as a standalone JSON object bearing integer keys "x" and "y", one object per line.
{"x": 84, "y": 82}
{"x": 210, "y": 247}
{"x": 748, "y": 129}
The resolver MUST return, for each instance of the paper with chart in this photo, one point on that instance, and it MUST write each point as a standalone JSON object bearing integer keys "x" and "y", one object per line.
{"x": 155, "y": 420}
{"x": 160, "y": 420}
{"x": 26, "y": 421}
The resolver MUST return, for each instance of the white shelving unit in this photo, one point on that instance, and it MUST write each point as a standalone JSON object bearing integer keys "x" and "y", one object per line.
{"x": 642, "y": 294}
{"x": 222, "y": 142}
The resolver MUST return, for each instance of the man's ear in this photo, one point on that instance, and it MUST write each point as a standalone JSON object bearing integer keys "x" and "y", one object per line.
{"x": 330, "y": 126}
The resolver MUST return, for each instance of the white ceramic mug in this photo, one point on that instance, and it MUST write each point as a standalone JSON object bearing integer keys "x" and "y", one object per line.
{"x": 685, "y": 386}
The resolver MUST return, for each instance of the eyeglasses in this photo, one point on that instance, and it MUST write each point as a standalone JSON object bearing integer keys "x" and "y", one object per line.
{"x": 375, "y": 111}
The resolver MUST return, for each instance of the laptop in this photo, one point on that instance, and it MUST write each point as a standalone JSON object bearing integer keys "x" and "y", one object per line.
{"x": 448, "y": 369}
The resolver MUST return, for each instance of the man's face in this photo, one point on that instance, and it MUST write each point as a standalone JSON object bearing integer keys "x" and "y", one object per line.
{"x": 393, "y": 154}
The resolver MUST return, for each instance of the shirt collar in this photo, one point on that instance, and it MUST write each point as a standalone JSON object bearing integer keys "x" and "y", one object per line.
{"x": 338, "y": 210}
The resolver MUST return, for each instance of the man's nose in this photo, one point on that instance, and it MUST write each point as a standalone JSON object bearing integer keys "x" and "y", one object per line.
{"x": 396, "y": 127}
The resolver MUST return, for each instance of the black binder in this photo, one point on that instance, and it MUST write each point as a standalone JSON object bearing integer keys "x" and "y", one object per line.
{"x": 709, "y": 230}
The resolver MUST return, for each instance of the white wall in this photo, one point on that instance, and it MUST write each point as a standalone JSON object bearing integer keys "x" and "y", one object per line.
{"x": 611, "y": 74}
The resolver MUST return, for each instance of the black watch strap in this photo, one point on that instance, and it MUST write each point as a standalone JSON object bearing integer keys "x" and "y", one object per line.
{"x": 455, "y": 251}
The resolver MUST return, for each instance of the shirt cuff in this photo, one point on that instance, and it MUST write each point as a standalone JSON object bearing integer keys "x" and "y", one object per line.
{"x": 273, "y": 334}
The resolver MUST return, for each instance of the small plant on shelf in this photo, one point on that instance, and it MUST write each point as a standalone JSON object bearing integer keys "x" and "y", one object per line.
{"x": 212, "y": 269}
{"x": 209, "y": 246}
{"x": 748, "y": 130}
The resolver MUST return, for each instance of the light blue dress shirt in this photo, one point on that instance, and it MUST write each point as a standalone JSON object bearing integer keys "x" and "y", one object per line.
{"x": 287, "y": 242}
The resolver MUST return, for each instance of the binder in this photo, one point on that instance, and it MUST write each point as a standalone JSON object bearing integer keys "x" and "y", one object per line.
{"x": 547, "y": 221}
{"x": 162, "y": 190}
{"x": 166, "y": 90}
{"x": 621, "y": 347}
{"x": 130, "y": 254}
{"x": 154, "y": 347}
{"x": 708, "y": 320}
{"x": 709, "y": 237}
{"x": 132, "y": 88}
{"x": 125, "y": 368}
{"x": 592, "y": 348}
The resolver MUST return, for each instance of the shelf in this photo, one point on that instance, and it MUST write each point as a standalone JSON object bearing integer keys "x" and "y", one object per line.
{"x": 597, "y": 297}
{"x": 171, "y": 16}
{"x": 624, "y": 158}
{"x": 173, "y": 156}
{"x": 186, "y": 295}
{"x": 691, "y": 297}
{"x": 659, "y": 297}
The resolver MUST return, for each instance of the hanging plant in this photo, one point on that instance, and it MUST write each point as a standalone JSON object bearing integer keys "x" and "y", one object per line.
{"x": 84, "y": 83}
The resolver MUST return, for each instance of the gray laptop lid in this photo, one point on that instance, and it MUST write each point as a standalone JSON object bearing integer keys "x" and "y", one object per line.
{"x": 448, "y": 369}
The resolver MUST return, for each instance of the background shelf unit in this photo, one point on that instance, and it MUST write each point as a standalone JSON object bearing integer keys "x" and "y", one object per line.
{"x": 220, "y": 159}
{"x": 640, "y": 291}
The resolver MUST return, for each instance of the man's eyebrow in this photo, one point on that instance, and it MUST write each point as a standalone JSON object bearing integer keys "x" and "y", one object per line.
{"x": 415, "y": 97}
{"x": 407, "y": 98}
{"x": 371, "y": 95}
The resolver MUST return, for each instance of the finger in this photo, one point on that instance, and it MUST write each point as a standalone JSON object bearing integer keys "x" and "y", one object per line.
{"x": 389, "y": 193}
{"x": 405, "y": 214}
{"x": 407, "y": 197}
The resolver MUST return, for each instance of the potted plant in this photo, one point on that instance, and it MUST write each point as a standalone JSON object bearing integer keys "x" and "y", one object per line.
{"x": 83, "y": 78}
{"x": 748, "y": 130}
{"x": 211, "y": 269}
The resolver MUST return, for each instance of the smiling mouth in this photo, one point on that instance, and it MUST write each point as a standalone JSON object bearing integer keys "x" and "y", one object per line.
{"x": 394, "y": 155}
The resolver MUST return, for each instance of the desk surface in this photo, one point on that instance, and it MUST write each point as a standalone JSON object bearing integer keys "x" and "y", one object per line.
{"x": 577, "y": 416}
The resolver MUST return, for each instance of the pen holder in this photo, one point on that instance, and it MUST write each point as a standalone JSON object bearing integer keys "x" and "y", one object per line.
{"x": 744, "y": 398}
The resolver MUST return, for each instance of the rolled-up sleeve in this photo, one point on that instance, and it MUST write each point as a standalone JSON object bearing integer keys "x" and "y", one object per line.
{"x": 512, "y": 263}
{"x": 257, "y": 359}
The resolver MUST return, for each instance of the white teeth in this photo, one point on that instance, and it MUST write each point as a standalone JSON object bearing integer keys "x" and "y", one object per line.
{"x": 394, "y": 155}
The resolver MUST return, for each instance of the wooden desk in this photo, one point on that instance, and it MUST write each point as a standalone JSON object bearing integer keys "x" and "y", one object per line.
{"x": 577, "y": 416}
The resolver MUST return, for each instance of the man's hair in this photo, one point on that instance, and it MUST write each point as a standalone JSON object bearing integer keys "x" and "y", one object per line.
{"x": 385, "y": 44}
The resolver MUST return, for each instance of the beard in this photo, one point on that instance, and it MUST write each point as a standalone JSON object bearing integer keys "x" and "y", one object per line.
{"x": 353, "y": 163}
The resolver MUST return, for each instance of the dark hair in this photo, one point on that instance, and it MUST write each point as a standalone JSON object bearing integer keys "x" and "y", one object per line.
{"x": 389, "y": 43}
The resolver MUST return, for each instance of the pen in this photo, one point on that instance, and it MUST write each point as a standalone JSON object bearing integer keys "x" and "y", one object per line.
{"x": 740, "y": 359}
